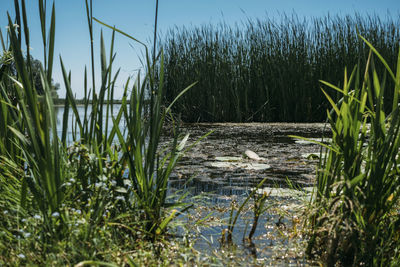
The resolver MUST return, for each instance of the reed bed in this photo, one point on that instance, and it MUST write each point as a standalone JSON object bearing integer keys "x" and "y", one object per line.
{"x": 268, "y": 70}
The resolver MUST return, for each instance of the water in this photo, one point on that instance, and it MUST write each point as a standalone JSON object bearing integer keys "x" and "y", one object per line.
{"x": 73, "y": 126}
{"x": 213, "y": 189}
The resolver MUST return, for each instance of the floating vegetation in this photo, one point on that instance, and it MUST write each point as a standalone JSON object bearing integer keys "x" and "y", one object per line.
{"x": 312, "y": 156}
{"x": 252, "y": 155}
{"x": 312, "y": 141}
{"x": 241, "y": 165}
{"x": 241, "y": 162}
{"x": 287, "y": 192}
{"x": 229, "y": 159}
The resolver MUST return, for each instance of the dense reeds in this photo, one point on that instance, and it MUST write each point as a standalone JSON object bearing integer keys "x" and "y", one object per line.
{"x": 268, "y": 70}
{"x": 356, "y": 220}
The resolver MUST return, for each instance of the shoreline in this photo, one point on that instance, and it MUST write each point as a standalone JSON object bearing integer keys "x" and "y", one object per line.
{"x": 60, "y": 102}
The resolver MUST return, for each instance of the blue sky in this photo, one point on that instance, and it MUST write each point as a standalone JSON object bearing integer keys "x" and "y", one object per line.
{"x": 136, "y": 17}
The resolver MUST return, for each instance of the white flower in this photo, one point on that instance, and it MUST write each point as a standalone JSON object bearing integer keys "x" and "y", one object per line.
{"x": 55, "y": 214}
{"x": 37, "y": 216}
{"x": 98, "y": 185}
{"x": 92, "y": 157}
{"x": 127, "y": 182}
{"x": 22, "y": 256}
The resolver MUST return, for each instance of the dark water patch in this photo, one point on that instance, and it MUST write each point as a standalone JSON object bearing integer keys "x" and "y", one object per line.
{"x": 214, "y": 188}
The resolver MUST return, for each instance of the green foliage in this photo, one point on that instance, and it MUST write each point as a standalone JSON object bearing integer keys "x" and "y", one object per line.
{"x": 64, "y": 194}
{"x": 8, "y": 68}
{"x": 33, "y": 129}
{"x": 355, "y": 221}
{"x": 267, "y": 70}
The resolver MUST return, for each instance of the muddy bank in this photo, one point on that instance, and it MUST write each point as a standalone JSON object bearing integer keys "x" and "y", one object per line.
{"x": 284, "y": 158}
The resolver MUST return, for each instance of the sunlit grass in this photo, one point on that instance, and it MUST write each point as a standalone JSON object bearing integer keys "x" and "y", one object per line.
{"x": 70, "y": 195}
{"x": 355, "y": 221}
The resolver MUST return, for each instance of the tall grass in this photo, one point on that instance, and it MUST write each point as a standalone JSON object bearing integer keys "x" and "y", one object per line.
{"x": 49, "y": 183}
{"x": 356, "y": 218}
{"x": 33, "y": 125}
{"x": 268, "y": 70}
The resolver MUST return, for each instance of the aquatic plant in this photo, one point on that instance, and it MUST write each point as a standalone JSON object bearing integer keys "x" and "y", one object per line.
{"x": 355, "y": 221}
{"x": 259, "y": 203}
{"x": 233, "y": 216}
{"x": 268, "y": 70}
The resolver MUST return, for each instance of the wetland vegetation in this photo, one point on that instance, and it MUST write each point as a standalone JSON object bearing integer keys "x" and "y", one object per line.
{"x": 268, "y": 70}
{"x": 123, "y": 185}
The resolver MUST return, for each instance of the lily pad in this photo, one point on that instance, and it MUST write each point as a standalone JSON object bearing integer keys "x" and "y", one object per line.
{"x": 251, "y": 155}
{"x": 240, "y": 165}
{"x": 229, "y": 159}
{"x": 310, "y": 141}
{"x": 256, "y": 166}
{"x": 286, "y": 192}
{"x": 222, "y": 164}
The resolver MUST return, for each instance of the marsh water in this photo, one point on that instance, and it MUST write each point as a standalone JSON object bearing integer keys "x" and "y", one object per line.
{"x": 216, "y": 175}
{"x": 219, "y": 175}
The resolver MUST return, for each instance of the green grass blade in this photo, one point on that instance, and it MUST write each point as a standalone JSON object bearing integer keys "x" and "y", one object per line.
{"x": 71, "y": 97}
{"x": 51, "y": 44}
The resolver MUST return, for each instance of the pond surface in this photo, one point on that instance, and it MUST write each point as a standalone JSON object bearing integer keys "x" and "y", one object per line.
{"x": 218, "y": 175}
{"x": 286, "y": 157}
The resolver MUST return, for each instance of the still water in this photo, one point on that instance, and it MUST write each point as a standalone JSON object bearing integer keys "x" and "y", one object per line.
{"x": 213, "y": 188}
